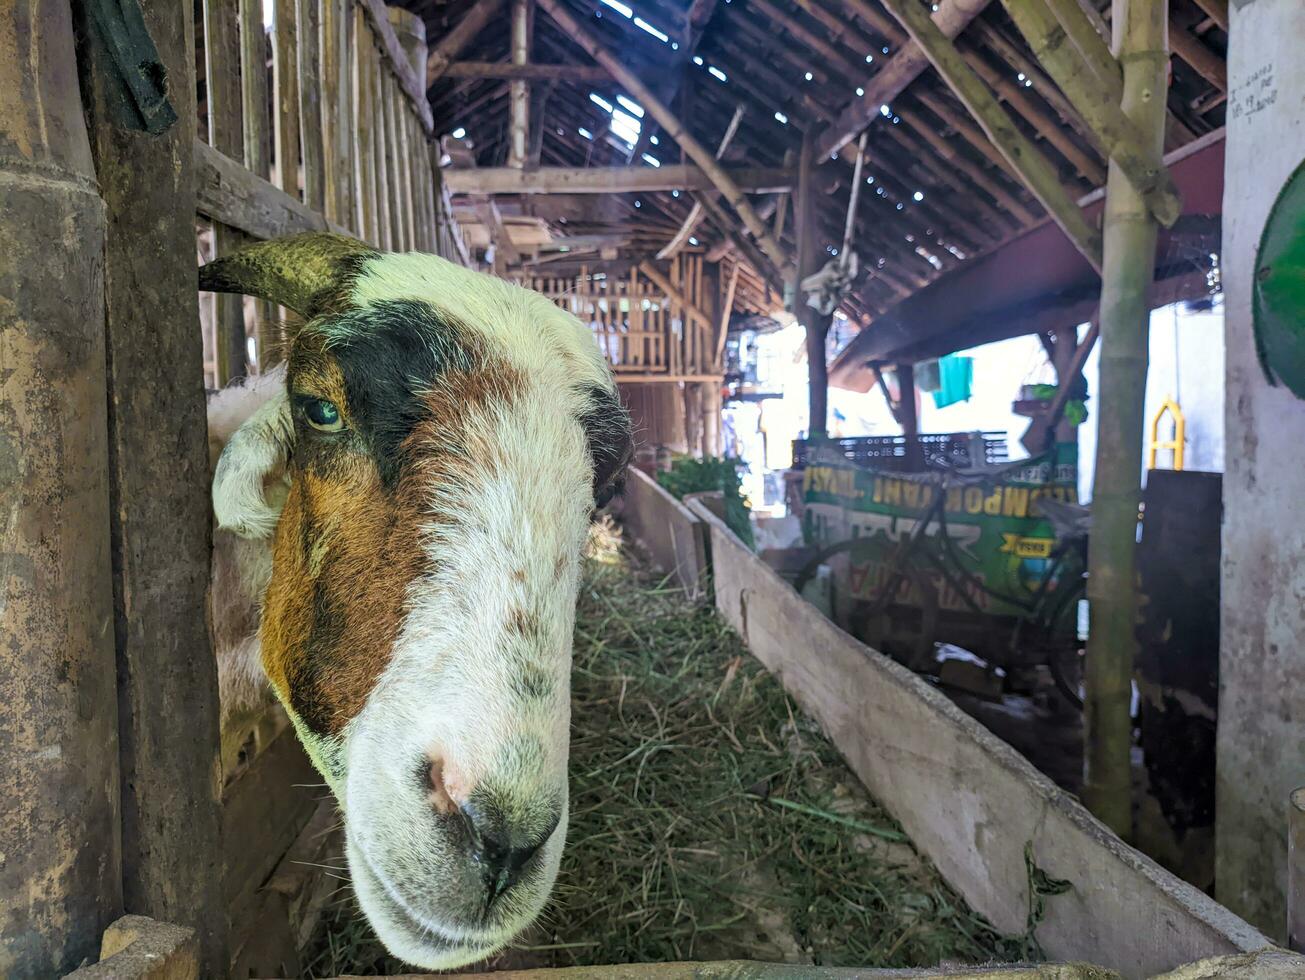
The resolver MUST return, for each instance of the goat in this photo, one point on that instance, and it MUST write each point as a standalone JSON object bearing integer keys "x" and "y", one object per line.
{"x": 400, "y": 514}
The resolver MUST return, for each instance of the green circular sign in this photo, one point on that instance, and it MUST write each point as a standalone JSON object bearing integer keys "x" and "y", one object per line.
{"x": 1279, "y": 304}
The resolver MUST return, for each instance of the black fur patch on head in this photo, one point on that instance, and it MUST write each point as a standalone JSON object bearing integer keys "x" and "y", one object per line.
{"x": 611, "y": 441}
{"x": 390, "y": 353}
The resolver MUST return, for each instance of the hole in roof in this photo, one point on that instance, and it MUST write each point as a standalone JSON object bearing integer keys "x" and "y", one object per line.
{"x": 869, "y": 58}
{"x": 715, "y": 72}
{"x": 599, "y": 101}
{"x": 585, "y": 133}
{"x": 619, "y": 7}
{"x": 808, "y": 76}
{"x": 675, "y": 193}
{"x": 781, "y": 118}
{"x": 918, "y": 196}
{"x": 651, "y": 160}
{"x": 459, "y": 133}
{"x": 638, "y": 204}
{"x": 643, "y": 25}
{"x": 692, "y": 240}
{"x": 697, "y": 60}
{"x": 630, "y": 104}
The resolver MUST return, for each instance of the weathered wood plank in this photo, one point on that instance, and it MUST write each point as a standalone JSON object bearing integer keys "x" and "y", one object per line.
{"x": 285, "y": 94}
{"x": 532, "y": 72}
{"x": 226, "y": 135}
{"x": 310, "y": 103}
{"x": 364, "y": 170}
{"x": 381, "y": 149}
{"x": 409, "y": 82}
{"x": 335, "y": 115}
{"x": 609, "y": 180}
{"x": 227, "y": 192}
{"x": 263, "y": 812}
{"x": 167, "y": 698}
{"x": 253, "y": 88}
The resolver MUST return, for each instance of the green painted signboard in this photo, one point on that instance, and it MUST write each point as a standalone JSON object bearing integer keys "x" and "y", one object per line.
{"x": 995, "y": 534}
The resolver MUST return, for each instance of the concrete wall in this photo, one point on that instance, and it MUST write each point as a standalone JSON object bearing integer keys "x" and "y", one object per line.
{"x": 675, "y": 538}
{"x": 1261, "y": 741}
{"x": 969, "y": 801}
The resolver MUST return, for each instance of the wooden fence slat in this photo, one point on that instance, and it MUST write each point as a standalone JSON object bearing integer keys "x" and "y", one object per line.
{"x": 285, "y": 90}
{"x": 226, "y": 135}
{"x": 381, "y": 150}
{"x": 253, "y": 87}
{"x": 403, "y": 163}
{"x": 335, "y": 116}
{"x": 361, "y": 129}
{"x": 310, "y": 103}
{"x": 410, "y": 85}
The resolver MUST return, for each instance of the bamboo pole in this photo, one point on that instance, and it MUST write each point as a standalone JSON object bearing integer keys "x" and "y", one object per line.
{"x": 1091, "y": 45}
{"x": 519, "y": 89}
{"x": 1128, "y": 267}
{"x": 1034, "y": 169}
{"x": 673, "y": 129}
{"x": 1125, "y": 143}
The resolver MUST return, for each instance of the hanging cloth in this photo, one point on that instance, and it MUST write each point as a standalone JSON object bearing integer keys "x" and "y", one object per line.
{"x": 955, "y": 377}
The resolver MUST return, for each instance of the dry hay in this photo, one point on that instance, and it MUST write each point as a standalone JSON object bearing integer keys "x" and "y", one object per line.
{"x": 710, "y": 819}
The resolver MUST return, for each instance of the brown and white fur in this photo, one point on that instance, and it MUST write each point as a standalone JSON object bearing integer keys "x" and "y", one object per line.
{"x": 416, "y": 570}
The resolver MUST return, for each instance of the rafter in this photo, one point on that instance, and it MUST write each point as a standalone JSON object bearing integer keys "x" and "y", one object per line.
{"x": 1038, "y": 174}
{"x": 673, "y": 128}
{"x": 452, "y": 44}
{"x": 1076, "y": 78}
{"x": 952, "y": 17}
{"x": 611, "y": 180}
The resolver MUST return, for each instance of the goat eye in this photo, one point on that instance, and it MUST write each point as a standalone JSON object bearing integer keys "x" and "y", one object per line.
{"x": 323, "y": 415}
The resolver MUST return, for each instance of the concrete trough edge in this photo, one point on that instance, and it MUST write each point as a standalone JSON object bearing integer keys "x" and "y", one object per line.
{"x": 969, "y": 801}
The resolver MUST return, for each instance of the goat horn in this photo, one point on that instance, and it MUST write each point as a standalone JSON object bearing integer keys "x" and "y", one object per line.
{"x": 304, "y": 273}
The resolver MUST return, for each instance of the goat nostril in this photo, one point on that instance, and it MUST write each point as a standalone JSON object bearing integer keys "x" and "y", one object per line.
{"x": 501, "y": 859}
{"x": 437, "y": 790}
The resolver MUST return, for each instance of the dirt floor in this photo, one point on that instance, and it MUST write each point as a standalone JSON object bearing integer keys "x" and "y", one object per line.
{"x": 710, "y": 819}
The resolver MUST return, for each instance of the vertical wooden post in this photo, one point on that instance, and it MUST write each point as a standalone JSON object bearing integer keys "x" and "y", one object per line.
{"x": 810, "y": 258}
{"x": 158, "y": 470}
{"x": 61, "y": 876}
{"x": 1296, "y": 871}
{"x": 519, "y": 89}
{"x": 1128, "y": 267}
{"x": 909, "y": 416}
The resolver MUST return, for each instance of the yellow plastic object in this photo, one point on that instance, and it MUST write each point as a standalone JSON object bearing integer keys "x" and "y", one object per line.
{"x": 1176, "y": 444}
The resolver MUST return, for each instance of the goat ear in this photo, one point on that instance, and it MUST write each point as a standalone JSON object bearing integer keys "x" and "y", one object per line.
{"x": 255, "y": 455}
{"x": 611, "y": 442}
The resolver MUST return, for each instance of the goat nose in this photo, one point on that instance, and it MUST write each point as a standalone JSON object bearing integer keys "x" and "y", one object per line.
{"x": 502, "y": 855}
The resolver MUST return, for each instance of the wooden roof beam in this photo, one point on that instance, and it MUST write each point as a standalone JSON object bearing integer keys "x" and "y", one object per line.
{"x": 588, "y": 74}
{"x": 613, "y": 180}
{"x": 694, "y": 216}
{"x": 893, "y": 77}
{"x": 1202, "y": 60}
{"x": 1076, "y": 77}
{"x": 809, "y": 39}
{"x": 1037, "y": 173}
{"x": 452, "y": 44}
{"x": 674, "y": 129}
{"x": 1036, "y": 115}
